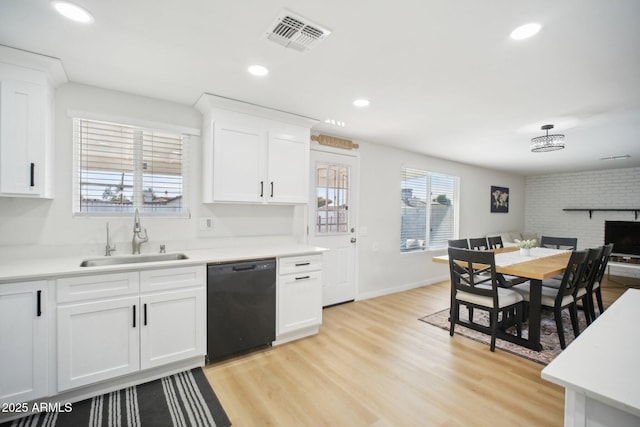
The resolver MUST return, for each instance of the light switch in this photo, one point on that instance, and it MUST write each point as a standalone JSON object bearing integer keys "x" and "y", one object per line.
{"x": 206, "y": 223}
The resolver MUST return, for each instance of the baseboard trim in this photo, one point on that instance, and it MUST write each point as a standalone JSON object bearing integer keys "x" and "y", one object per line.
{"x": 401, "y": 288}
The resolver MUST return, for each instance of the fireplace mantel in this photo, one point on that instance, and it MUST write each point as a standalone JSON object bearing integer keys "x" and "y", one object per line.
{"x": 591, "y": 210}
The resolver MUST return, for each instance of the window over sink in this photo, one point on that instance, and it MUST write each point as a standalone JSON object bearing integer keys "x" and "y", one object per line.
{"x": 120, "y": 167}
{"x": 428, "y": 209}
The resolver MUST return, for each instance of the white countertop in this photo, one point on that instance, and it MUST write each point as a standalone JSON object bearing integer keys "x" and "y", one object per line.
{"x": 52, "y": 267}
{"x": 603, "y": 363}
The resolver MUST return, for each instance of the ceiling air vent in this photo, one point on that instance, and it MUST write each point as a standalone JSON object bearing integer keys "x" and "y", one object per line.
{"x": 295, "y": 32}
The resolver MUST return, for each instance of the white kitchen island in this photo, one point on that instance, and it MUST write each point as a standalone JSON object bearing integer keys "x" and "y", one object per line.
{"x": 600, "y": 370}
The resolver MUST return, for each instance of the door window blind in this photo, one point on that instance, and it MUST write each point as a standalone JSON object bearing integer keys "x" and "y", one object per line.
{"x": 428, "y": 209}
{"x": 121, "y": 168}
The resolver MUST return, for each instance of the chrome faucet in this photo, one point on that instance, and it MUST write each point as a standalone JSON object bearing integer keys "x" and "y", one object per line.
{"x": 139, "y": 235}
{"x": 108, "y": 249}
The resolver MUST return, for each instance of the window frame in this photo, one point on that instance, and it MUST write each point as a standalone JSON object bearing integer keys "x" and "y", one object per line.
{"x": 186, "y": 132}
{"x": 342, "y": 227}
{"x": 428, "y": 209}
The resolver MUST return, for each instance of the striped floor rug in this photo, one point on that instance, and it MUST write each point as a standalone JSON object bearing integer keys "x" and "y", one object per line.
{"x": 184, "y": 399}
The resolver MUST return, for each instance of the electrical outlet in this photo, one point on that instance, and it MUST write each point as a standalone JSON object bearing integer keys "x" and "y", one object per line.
{"x": 206, "y": 223}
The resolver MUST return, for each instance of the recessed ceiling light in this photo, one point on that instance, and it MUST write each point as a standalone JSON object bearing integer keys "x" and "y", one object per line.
{"x": 73, "y": 12}
{"x": 258, "y": 70}
{"x": 361, "y": 102}
{"x": 526, "y": 31}
{"x": 335, "y": 122}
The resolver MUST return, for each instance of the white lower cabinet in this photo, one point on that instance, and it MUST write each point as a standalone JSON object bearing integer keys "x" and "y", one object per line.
{"x": 114, "y": 336}
{"x": 173, "y": 327}
{"x": 97, "y": 341}
{"x": 299, "y": 295}
{"x": 24, "y": 341}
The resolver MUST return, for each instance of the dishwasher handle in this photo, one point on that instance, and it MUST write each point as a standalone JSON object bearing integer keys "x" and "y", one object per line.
{"x": 247, "y": 268}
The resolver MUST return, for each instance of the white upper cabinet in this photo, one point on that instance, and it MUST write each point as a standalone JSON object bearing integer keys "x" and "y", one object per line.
{"x": 253, "y": 154}
{"x": 22, "y": 135}
{"x": 288, "y": 169}
{"x": 238, "y": 164}
{"x": 27, "y": 84}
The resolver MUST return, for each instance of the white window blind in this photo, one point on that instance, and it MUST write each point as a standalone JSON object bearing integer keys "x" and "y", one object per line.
{"x": 428, "y": 209}
{"x": 121, "y": 168}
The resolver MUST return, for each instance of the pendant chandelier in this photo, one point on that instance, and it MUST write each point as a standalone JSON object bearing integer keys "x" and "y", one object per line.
{"x": 547, "y": 142}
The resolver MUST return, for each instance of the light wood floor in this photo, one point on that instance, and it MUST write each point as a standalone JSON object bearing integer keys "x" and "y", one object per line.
{"x": 375, "y": 364}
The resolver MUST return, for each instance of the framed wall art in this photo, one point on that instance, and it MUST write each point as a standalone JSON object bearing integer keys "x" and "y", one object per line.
{"x": 499, "y": 199}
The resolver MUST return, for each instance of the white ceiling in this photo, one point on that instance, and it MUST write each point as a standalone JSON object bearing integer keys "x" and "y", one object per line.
{"x": 443, "y": 77}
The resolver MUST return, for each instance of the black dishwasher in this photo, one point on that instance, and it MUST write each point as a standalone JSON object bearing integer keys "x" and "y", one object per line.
{"x": 241, "y": 307}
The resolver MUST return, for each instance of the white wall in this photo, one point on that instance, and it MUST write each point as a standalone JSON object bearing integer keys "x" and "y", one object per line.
{"x": 45, "y": 225}
{"x": 547, "y": 195}
{"x": 382, "y": 268}
{"x": 41, "y": 227}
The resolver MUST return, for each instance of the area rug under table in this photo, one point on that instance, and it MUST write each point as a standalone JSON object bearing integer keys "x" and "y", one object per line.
{"x": 548, "y": 332}
{"x": 184, "y": 399}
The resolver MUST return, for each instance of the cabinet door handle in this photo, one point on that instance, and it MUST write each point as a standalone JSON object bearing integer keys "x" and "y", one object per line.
{"x": 134, "y": 315}
{"x": 303, "y": 277}
{"x": 39, "y": 303}
{"x": 261, "y": 188}
{"x": 33, "y": 175}
{"x": 301, "y": 264}
{"x": 271, "y": 188}
{"x": 145, "y": 315}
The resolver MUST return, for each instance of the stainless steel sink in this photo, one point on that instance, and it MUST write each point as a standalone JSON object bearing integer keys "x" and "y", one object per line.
{"x": 134, "y": 259}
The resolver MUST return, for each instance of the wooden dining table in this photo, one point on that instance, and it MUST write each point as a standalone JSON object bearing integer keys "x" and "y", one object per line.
{"x": 543, "y": 264}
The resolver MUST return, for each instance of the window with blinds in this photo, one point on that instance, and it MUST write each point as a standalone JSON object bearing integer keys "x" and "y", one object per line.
{"x": 428, "y": 209}
{"x": 120, "y": 168}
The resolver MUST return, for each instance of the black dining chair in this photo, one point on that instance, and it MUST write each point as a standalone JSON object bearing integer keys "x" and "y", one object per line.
{"x": 589, "y": 273}
{"x": 495, "y": 242}
{"x": 569, "y": 243}
{"x": 593, "y": 263}
{"x": 458, "y": 243}
{"x": 564, "y": 296}
{"x": 474, "y": 284}
{"x": 478, "y": 243}
{"x": 505, "y": 281}
{"x": 595, "y": 290}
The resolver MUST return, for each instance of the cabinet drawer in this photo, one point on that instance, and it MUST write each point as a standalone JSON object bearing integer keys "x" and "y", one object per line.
{"x": 97, "y": 286}
{"x": 299, "y": 264}
{"x": 171, "y": 278}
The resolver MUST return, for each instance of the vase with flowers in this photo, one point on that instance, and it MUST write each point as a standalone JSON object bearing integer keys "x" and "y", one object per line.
{"x": 525, "y": 246}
